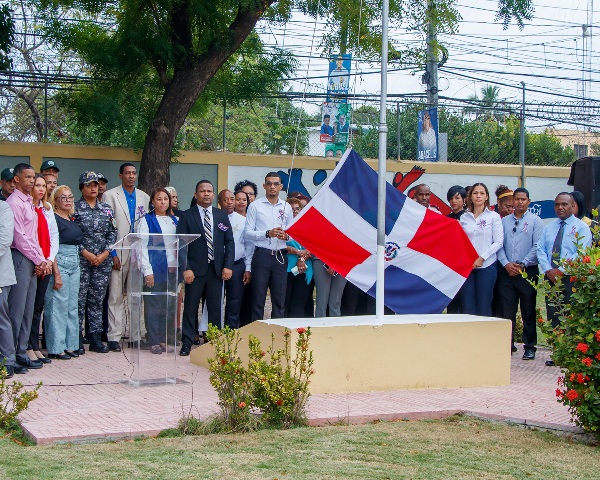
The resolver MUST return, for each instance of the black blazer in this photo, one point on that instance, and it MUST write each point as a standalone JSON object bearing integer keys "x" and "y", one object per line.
{"x": 197, "y": 251}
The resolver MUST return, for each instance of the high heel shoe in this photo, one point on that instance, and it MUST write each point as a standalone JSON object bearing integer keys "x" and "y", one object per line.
{"x": 41, "y": 357}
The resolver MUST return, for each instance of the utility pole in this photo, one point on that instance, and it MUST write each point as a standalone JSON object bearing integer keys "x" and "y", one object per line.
{"x": 431, "y": 76}
{"x": 522, "y": 139}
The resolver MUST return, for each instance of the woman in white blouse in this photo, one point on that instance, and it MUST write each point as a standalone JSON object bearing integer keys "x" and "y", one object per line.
{"x": 159, "y": 268}
{"x": 484, "y": 229}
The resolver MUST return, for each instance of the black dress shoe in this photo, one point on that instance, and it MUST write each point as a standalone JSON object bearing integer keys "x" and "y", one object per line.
{"x": 529, "y": 354}
{"x": 10, "y": 371}
{"x": 549, "y": 363}
{"x": 72, "y": 354}
{"x": 44, "y": 360}
{"x": 19, "y": 369}
{"x": 30, "y": 364}
{"x": 59, "y": 356}
{"x": 114, "y": 346}
{"x": 197, "y": 340}
{"x": 186, "y": 348}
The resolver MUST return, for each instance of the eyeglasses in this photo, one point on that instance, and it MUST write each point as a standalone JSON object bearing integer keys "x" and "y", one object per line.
{"x": 272, "y": 184}
{"x": 62, "y": 198}
{"x": 515, "y": 227}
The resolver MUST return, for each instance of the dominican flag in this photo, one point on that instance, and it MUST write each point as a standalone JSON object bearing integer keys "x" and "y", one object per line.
{"x": 427, "y": 256}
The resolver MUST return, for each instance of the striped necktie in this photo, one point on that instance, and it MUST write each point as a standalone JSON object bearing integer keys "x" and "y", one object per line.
{"x": 208, "y": 235}
{"x": 556, "y": 248}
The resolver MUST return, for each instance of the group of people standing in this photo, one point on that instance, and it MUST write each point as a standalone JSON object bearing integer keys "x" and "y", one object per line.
{"x": 58, "y": 261}
{"x": 511, "y": 240}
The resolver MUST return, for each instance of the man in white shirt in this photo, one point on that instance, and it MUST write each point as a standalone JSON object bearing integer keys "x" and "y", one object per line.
{"x": 266, "y": 221}
{"x": 234, "y": 287}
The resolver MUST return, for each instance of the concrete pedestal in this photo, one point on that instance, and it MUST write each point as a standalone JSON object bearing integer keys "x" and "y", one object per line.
{"x": 361, "y": 354}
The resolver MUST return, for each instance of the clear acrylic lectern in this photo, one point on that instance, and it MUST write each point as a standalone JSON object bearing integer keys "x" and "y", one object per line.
{"x": 152, "y": 294}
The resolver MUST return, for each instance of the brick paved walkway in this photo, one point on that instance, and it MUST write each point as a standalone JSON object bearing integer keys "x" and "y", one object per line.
{"x": 83, "y": 399}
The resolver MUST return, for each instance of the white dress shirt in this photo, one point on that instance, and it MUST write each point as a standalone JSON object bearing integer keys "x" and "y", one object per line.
{"x": 486, "y": 234}
{"x": 263, "y": 216}
{"x": 242, "y": 250}
{"x": 167, "y": 227}
{"x": 53, "y": 229}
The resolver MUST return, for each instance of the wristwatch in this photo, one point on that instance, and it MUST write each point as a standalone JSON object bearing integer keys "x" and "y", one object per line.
{"x": 267, "y": 234}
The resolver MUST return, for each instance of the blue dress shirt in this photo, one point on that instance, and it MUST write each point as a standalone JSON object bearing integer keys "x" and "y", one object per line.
{"x": 568, "y": 250}
{"x": 520, "y": 245}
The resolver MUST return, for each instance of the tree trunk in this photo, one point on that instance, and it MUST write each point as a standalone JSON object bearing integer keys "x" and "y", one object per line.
{"x": 181, "y": 94}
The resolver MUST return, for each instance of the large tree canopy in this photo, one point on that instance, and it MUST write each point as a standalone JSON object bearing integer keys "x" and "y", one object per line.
{"x": 171, "y": 53}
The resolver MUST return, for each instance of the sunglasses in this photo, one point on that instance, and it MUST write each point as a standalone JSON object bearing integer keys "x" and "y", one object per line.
{"x": 515, "y": 227}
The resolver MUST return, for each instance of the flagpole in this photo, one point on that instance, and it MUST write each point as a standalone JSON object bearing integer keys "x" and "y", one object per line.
{"x": 382, "y": 168}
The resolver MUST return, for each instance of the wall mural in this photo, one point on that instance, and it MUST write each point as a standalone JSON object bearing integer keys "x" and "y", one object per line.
{"x": 308, "y": 182}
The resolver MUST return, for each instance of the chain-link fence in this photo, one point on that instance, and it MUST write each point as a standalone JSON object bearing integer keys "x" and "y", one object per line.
{"x": 285, "y": 123}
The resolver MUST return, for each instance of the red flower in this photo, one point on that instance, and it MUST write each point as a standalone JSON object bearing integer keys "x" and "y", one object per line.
{"x": 560, "y": 381}
{"x": 598, "y": 335}
{"x": 586, "y": 259}
{"x": 242, "y": 404}
{"x": 559, "y": 393}
{"x": 301, "y": 330}
{"x": 572, "y": 378}
{"x": 598, "y": 356}
{"x": 598, "y": 262}
{"x": 279, "y": 403}
{"x": 263, "y": 353}
{"x": 587, "y": 361}
{"x": 223, "y": 361}
{"x": 583, "y": 347}
{"x": 579, "y": 378}
{"x": 573, "y": 279}
{"x": 540, "y": 319}
{"x": 572, "y": 394}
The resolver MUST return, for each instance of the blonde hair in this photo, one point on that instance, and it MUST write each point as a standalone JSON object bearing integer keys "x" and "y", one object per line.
{"x": 45, "y": 201}
{"x": 57, "y": 191}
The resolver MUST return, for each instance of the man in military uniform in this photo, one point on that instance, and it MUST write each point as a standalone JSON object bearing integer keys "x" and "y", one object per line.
{"x": 96, "y": 220}
{"x": 8, "y": 183}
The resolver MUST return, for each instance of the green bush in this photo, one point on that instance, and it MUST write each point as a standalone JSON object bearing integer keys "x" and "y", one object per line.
{"x": 576, "y": 340}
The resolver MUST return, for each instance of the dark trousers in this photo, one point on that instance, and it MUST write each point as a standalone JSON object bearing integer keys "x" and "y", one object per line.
{"x": 268, "y": 272}
{"x": 297, "y": 294}
{"x": 477, "y": 291}
{"x": 514, "y": 291}
{"x": 38, "y": 308}
{"x": 246, "y": 307}
{"x": 497, "y": 297}
{"x": 234, "y": 291}
{"x": 159, "y": 311}
{"x": 211, "y": 286}
{"x": 21, "y": 299}
{"x": 552, "y": 312}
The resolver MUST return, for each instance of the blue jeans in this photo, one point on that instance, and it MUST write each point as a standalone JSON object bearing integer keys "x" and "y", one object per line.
{"x": 61, "y": 318}
{"x": 477, "y": 292}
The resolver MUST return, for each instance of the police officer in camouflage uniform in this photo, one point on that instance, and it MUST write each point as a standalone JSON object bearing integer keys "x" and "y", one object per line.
{"x": 97, "y": 221}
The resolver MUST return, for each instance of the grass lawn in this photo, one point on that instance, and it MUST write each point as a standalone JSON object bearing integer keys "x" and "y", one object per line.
{"x": 458, "y": 447}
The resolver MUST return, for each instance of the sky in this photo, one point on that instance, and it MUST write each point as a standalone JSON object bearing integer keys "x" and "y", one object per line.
{"x": 548, "y": 55}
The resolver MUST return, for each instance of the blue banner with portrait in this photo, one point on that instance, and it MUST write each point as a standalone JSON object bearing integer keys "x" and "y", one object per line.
{"x": 427, "y": 145}
{"x": 338, "y": 81}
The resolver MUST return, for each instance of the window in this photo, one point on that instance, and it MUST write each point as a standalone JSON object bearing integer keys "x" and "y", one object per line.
{"x": 580, "y": 150}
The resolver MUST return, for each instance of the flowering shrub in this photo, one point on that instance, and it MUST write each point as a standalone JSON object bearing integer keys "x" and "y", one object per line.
{"x": 229, "y": 378}
{"x": 576, "y": 341}
{"x": 280, "y": 384}
{"x": 273, "y": 383}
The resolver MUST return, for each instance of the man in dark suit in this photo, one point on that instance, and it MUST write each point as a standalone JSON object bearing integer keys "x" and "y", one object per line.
{"x": 209, "y": 261}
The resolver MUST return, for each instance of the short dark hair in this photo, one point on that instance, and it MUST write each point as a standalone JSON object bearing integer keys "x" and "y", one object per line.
{"x": 126, "y": 164}
{"x": 579, "y": 199}
{"x": 20, "y": 167}
{"x": 204, "y": 181}
{"x": 246, "y": 183}
{"x": 521, "y": 190}
{"x": 568, "y": 194}
{"x": 453, "y": 190}
{"x": 326, "y": 116}
{"x": 272, "y": 174}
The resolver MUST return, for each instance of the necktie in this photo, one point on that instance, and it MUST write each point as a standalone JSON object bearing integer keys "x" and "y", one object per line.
{"x": 208, "y": 235}
{"x": 557, "y": 245}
